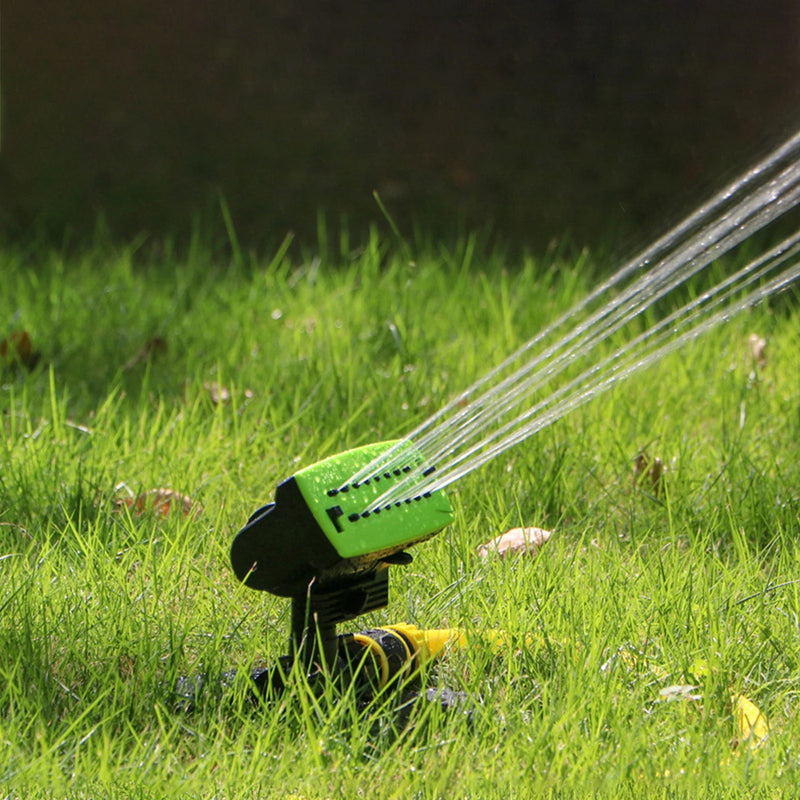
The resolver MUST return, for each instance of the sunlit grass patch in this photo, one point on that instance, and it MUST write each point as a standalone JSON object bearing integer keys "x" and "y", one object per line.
{"x": 632, "y": 636}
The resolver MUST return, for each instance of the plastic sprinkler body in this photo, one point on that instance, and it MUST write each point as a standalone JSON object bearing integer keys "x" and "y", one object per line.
{"x": 319, "y": 544}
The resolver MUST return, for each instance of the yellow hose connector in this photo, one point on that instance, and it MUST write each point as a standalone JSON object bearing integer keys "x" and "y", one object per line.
{"x": 430, "y": 643}
{"x": 400, "y": 649}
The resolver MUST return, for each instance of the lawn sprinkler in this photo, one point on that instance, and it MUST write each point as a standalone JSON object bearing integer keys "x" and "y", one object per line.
{"x": 336, "y": 527}
{"x": 320, "y": 545}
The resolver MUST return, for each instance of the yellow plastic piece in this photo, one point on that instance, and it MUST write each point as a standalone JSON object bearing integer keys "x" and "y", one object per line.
{"x": 432, "y": 642}
{"x": 420, "y": 646}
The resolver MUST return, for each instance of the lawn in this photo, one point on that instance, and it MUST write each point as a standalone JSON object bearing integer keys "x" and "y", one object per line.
{"x": 636, "y": 640}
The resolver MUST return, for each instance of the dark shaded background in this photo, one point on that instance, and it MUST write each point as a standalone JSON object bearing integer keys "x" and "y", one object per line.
{"x": 600, "y": 119}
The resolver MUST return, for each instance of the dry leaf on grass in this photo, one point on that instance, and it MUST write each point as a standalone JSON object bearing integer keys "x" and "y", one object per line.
{"x": 517, "y": 541}
{"x": 155, "y": 346}
{"x": 12, "y": 530}
{"x": 126, "y": 666}
{"x": 18, "y": 349}
{"x": 648, "y": 474}
{"x": 681, "y": 691}
{"x": 758, "y": 349}
{"x": 751, "y": 724}
{"x": 160, "y": 501}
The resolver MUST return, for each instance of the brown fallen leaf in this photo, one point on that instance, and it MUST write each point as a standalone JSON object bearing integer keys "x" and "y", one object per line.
{"x": 155, "y": 346}
{"x": 517, "y": 541}
{"x": 18, "y": 349}
{"x": 221, "y": 394}
{"x": 126, "y": 666}
{"x": 758, "y": 348}
{"x": 648, "y": 473}
{"x": 16, "y": 529}
{"x": 160, "y": 501}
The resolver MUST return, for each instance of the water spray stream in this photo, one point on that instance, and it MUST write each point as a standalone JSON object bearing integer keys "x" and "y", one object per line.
{"x": 467, "y": 432}
{"x": 655, "y": 259}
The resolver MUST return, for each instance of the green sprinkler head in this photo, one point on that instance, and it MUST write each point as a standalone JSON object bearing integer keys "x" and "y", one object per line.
{"x": 319, "y": 530}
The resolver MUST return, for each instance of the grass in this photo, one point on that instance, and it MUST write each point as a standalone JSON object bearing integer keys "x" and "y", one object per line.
{"x": 105, "y": 605}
